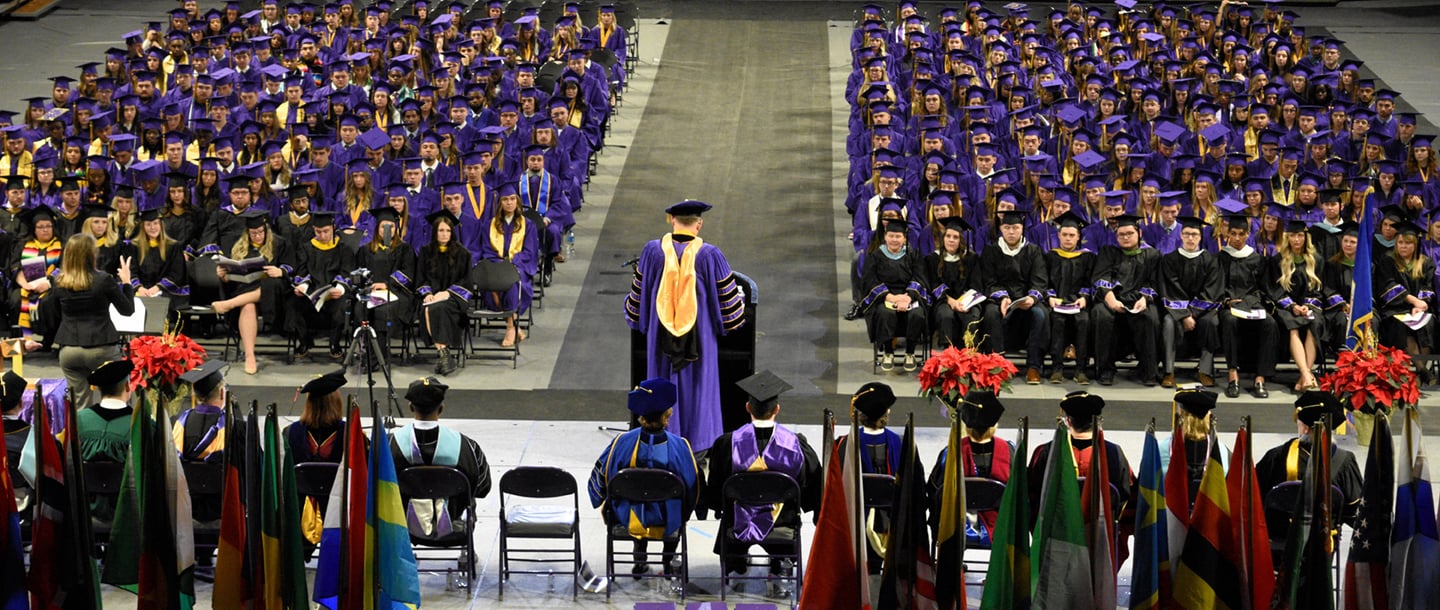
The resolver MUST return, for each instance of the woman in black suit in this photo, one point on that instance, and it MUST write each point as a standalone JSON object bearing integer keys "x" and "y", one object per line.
{"x": 78, "y": 309}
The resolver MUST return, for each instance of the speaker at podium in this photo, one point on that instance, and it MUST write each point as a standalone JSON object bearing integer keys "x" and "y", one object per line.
{"x": 736, "y": 358}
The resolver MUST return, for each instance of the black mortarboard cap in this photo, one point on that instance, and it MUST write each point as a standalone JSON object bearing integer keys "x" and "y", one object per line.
{"x": 980, "y": 409}
{"x": 873, "y": 399}
{"x": 14, "y": 388}
{"x": 1070, "y": 219}
{"x": 1315, "y": 405}
{"x": 763, "y": 388}
{"x": 384, "y": 213}
{"x": 255, "y": 219}
{"x": 1082, "y": 404}
{"x": 1196, "y": 401}
{"x": 322, "y": 219}
{"x": 206, "y": 377}
{"x": 111, "y": 372}
{"x": 426, "y": 393}
{"x": 689, "y": 207}
{"x": 324, "y": 384}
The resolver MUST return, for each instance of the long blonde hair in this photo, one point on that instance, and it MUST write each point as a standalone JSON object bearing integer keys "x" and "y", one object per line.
{"x": 77, "y": 263}
{"x": 1415, "y": 268}
{"x": 241, "y": 249}
{"x": 1287, "y": 262}
{"x": 143, "y": 247}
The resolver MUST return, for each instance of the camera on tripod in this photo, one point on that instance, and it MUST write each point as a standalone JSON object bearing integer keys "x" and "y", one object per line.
{"x": 360, "y": 281}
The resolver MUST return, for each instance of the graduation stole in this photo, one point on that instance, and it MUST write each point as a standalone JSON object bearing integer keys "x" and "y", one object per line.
{"x": 657, "y": 458}
{"x": 605, "y": 34}
{"x": 323, "y": 246}
{"x": 517, "y": 237}
{"x": 540, "y": 204}
{"x": 1292, "y": 460}
{"x": 299, "y": 220}
{"x": 354, "y": 214}
{"x": 999, "y": 458}
{"x": 429, "y": 517}
{"x": 676, "y": 301}
{"x": 477, "y": 204}
{"x": 781, "y": 454}
{"x": 212, "y": 441}
{"x": 1063, "y": 253}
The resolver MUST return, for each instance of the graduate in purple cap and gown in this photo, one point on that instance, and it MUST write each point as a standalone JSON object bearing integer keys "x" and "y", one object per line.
{"x": 544, "y": 192}
{"x": 761, "y": 445}
{"x": 648, "y": 446}
{"x": 684, "y": 298}
{"x": 511, "y": 235}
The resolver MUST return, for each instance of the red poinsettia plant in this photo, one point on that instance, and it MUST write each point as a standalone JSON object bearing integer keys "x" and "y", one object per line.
{"x": 953, "y": 372}
{"x": 1374, "y": 379}
{"x": 160, "y": 360}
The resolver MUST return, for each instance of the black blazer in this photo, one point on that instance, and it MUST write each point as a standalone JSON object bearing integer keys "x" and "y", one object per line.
{"x": 82, "y": 319}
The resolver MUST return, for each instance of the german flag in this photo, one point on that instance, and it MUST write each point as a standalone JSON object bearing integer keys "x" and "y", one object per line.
{"x": 1208, "y": 577}
{"x": 231, "y": 588}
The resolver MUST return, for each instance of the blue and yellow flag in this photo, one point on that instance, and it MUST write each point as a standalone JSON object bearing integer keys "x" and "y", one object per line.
{"x": 387, "y": 540}
{"x": 1150, "y": 569}
{"x": 1360, "y": 334}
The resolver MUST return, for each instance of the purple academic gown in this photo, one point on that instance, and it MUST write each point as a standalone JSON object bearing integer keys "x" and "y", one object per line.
{"x": 526, "y": 261}
{"x": 720, "y": 309}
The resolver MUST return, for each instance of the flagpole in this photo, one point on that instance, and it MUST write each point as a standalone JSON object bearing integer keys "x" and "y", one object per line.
{"x": 957, "y": 429}
{"x": 857, "y": 517}
{"x": 1247, "y": 592}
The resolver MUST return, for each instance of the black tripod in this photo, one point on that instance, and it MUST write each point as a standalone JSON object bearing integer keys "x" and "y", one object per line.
{"x": 363, "y": 343}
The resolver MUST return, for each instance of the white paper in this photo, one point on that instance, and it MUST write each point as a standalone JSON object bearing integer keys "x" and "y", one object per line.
{"x": 378, "y": 298}
{"x": 131, "y": 324}
{"x": 1248, "y": 314}
{"x": 1068, "y": 309}
{"x": 1413, "y": 321}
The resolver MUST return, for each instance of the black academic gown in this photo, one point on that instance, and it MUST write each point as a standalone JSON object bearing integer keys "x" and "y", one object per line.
{"x": 471, "y": 462}
{"x": 1254, "y": 339}
{"x": 1191, "y": 287}
{"x": 948, "y": 280}
{"x": 1273, "y": 469}
{"x": 811, "y": 481}
{"x": 1130, "y": 277}
{"x": 319, "y": 267}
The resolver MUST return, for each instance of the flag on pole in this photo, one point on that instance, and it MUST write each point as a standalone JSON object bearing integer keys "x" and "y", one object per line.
{"x": 1414, "y": 544}
{"x": 231, "y": 587}
{"x": 387, "y": 538}
{"x": 127, "y": 526}
{"x": 1177, "y": 493}
{"x": 84, "y": 575}
{"x": 173, "y": 492}
{"x": 1207, "y": 576}
{"x": 1305, "y": 581}
{"x": 1150, "y": 587}
{"x": 1099, "y": 519}
{"x": 62, "y": 572}
{"x": 1007, "y": 580}
{"x": 836, "y": 574}
{"x": 12, "y": 554}
{"x": 908, "y": 581}
{"x": 950, "y": 535}
{"x": 1247, "y": 512}
{"x": 284, "y": 575}
{"x": 1366, "y": 567}
{"x": 1061, "y": 569}
{"x": 1360, "y": 332}
{"x": 341, "y": 573}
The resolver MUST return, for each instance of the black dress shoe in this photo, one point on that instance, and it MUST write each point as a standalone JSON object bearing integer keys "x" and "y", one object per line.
{"x": 1259, "y": 390}
{"x": 1233, "y": 389}
{"x": 1107, "y": 378}
{"x": 854, "y": 313}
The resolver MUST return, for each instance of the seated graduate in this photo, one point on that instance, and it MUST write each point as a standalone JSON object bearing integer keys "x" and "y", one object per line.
{"x": 319, "y": 435}
{"x": 425, "y": 442}
{"x": 985, "y": 456}
{"x": 392, "y": 268}
{"x": 1015, "y": 281}
{"x": 953, "y": 270}
{"x": 894, "y": 275}
{"x": 1127, "y": 278}
{"x": 254, "y": 299}
{"x": 1190, "y": 287}
{"x": 1069, "y": 268}
{"x": 761, "y": 445}
{"x": 199, "y": 432}
{"x": 1293, "y": 281}
{"x": 1338, "y": 278}
{"x": 444, "y": 278}
{"x": 321, "y": 261}
{"x": 510, "y": 235}
{"x": 1404, "y": 282}
{"x": 105, "y": 427}
{"x": 1079, "y": 410}
{"x": 1244, "y": 291}
{"x": 648, "y": 446}
{"x": 879, "y": 453}
{"x": 17, "y": 433}
{"x": 1288, "y": 461}
{"x": 1194, "y": 420}
{"x": 159, "y": 266}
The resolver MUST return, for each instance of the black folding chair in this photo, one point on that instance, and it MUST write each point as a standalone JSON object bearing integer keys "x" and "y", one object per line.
{"x": 449, "y": 484}
{"x": 539, "y": 521}
{"x": 206, "y": 481}
{"x": 315, "y": 479}
{"x": 486, "y": 278}
{"x": 101, "y": 479}
{"x": 981, "y": 495}
{"x": 762, "y": 489}
{"x": 640, "y": 486}
{"x": 1283, "y": 499}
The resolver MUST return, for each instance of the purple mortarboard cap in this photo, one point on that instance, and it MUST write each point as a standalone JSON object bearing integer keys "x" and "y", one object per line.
{"x": 1089, "y": 159}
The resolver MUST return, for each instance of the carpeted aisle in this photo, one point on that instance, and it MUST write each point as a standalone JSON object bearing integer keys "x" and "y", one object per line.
{"x": 739, "y": 118}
